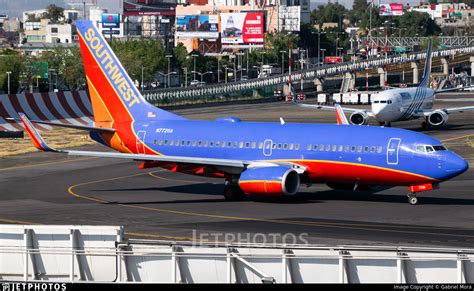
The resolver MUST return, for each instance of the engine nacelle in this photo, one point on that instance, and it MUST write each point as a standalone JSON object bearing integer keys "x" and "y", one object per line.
{"x": 438, "y": 118}
{"x": 271, "y": 181}
{"x": 359, "y": 118}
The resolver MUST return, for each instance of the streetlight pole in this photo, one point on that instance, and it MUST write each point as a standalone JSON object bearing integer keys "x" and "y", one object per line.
{"x": 8, "y": 74}
{"x": 168, "y": 77}
{"x": 323, "y": 50}
{"x": 194, "y": 59}
{"x": 283, "y": 61}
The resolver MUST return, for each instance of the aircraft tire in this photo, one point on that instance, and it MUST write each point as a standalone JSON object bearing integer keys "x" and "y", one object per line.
{"x": 233, "y": 193}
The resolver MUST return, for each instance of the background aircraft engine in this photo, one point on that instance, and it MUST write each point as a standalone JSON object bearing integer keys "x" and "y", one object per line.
{"x": 359, "y": 118}
{"x": 271, "y": 181}
{"x": 438, "y": 118}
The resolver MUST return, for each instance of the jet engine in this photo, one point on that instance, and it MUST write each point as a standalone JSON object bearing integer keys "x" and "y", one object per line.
{"x": 438, "y": 118}
{"x": 359, "y": 118}
{"x": 271, "y": 181}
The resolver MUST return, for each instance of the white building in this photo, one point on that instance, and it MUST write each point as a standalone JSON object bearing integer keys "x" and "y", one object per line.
{"x": 60, "y": 33}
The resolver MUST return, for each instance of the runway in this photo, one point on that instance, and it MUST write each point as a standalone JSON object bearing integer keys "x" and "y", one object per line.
{"x": 44, "y": 188}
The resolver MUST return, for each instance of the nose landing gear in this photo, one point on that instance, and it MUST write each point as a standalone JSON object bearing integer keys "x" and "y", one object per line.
{"x": 412, "y": 199}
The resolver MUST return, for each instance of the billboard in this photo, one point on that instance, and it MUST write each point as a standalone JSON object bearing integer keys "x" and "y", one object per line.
{"x": 197, "y": 26}
{"x": 332, "y": 60}
{"x": 110, "y": 20}
{"x": 392, "y": 9}
{"x": 148, "y": 8}
{"x": 242, "y": 28}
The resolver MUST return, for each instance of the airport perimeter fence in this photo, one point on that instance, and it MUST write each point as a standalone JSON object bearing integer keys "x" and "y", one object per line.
{"x": 190, "y": 93}
{"x": 74, "y": 253}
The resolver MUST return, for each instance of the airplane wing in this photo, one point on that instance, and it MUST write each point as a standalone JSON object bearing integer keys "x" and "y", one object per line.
{"x": 332, "y": 108}
{"x": 80, "y": 127}
{"x": 426, "y": 113}
{"x": 40, "y": 144}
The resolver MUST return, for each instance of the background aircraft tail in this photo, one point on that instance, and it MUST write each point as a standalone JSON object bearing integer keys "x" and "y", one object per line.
{"x": 425, "y": 80}
{"x": 113, "y": 95}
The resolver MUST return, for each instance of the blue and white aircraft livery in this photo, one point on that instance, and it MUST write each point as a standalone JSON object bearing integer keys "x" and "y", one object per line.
{"x": 254, "y": 158}
{"x": 400, "y": 104}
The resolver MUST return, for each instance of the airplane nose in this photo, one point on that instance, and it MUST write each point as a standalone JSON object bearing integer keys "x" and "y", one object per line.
{"x": 455, "y": 165}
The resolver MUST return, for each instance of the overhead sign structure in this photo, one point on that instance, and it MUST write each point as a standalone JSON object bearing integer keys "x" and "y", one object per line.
{"x": 110, "y": 20}
{"x": 392, "y": 9}
{"x": 242, "y": 28}
{"x": 197, "y": 26}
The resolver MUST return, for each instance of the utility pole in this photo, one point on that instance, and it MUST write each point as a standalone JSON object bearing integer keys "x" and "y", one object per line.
{"x": 283, "y": 61}
{"x": 141, "y": 85}
{"x": 168, "y": 76}
{"x": 194, "y": 59}
{"x": 8, "y": 74}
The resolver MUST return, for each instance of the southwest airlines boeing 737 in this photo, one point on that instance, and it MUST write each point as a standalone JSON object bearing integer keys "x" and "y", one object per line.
{"x": 402, "y": 104}
{"x": 254, "y": 158}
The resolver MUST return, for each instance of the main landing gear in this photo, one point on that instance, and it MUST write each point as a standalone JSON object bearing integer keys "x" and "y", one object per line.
{"x": 232, "y": 192}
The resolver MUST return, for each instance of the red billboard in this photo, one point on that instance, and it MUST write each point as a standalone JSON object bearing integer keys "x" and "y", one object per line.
{"x": 332, "y": 60}
{"x": 392, "y": 9}
{"x": 242, "y": 28}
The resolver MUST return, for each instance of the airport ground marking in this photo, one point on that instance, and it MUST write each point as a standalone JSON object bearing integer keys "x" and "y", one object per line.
{"x": 275, "y": 221}
{"x": 48, "y": 163}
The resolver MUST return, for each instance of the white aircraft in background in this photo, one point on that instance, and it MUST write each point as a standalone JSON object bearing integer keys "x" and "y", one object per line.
{"x": 401, "y": 104}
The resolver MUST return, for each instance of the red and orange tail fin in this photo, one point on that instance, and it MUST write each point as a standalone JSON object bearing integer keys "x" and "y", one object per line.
{"x": 36, "y": 138}
{"x": 114, "y": 97}
{"x": 340, "y": 116}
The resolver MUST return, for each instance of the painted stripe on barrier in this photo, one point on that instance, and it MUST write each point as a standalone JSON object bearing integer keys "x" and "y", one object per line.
{"x": 86, "y": 101}
{"x": 31, "y": 101}
{"x": 64, "y": 104}
{"x": 4, "y": 125}
{"x": 39, "y": 101}
{"x": 46, "y": 98}
{"x": 78, "y": 100}
{"x": 10, "y": 112}
{"x": 72, "y": 102}
{"x": 25, "y": 108}
{"x": 53, "y": 98}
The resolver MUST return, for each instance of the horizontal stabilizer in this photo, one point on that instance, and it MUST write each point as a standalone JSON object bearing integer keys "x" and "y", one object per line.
{"x": 80, "y": 127}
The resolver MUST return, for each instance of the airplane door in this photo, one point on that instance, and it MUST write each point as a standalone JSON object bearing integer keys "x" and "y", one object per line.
{"x": 141, "y": 141}
{"x": 267, "y": 147}
{"x": 392, "y": 151}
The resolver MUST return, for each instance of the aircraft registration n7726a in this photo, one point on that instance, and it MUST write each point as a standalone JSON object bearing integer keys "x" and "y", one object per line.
{"x": 254, "y": 158}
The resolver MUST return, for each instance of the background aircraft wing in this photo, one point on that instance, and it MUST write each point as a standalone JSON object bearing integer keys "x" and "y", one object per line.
{"x": 332, "y": 108}
{"x": 448, "y": 110}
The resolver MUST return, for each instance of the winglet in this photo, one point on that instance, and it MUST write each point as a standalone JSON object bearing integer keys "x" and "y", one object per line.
{"x": 36, "y": 138}
{"x": 340, "y": 116}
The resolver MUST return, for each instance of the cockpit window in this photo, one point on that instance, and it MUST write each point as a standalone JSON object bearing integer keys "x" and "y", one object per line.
{"x": 429, "y": 149}
{"x": 376, "y": 101}
{"x": 383, "y": 101}
{"x": 420, "y": 148}
{"x": 439, "y": 148}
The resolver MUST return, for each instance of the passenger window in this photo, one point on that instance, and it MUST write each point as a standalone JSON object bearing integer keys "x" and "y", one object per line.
{"x": 247, "y": 145}
{"x": 274, "y": 146}
{"x": 218, "y": 144}
{"x": 297, "y": 146}
{"x": 359, "y": 149}
{"x": 346, "y": 148}
{"x": 353, "y": 148}
{"x": 292, "y": 146}
{"x": 372, "y": 149}
{"x": 229, "y": 144}
{"x": 205, "y": 143}
{"x": 309, "y": 147}
{"x": 260, "y": 145}
{"x": 182, "y": 142}
{"x": 285, "y": 146}
{"x": 194, "y": 143}
{"x": 334, "y": 148}
{"x": 254, "y": 145}
{"x": 241, "y": 144}
{"x": 279, "y": 146}
{"x": 366, "y": 149}
{"x": 160, "y": 142}
{"x": 199, "y": 143}
{"x": 315, "y": 148}
{"x": 236, "y": 144}
{"x": 223, "y": 144}
{"x": 321, "y": 147}
{"x": 177, "y": 142}
{"x": 379, "y": 149}
{"x": 328, "y": 147}
{"x": 171, "y": 142}
{"x": 166, "y": 141}
{"x": 188, "y": 143}
{"x": 340, "y": 148}
{"x": 211, "y": 144}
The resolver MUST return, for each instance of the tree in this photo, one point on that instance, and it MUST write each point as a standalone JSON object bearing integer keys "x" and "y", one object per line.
{"x": 332, "y": 12}
{"x": 10, "y": 61}
{"x": 54, "y": 13}
{"x": 416, "y": 23}
{"x": 181, "y": 56}
{"x": 135, "y": 55}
